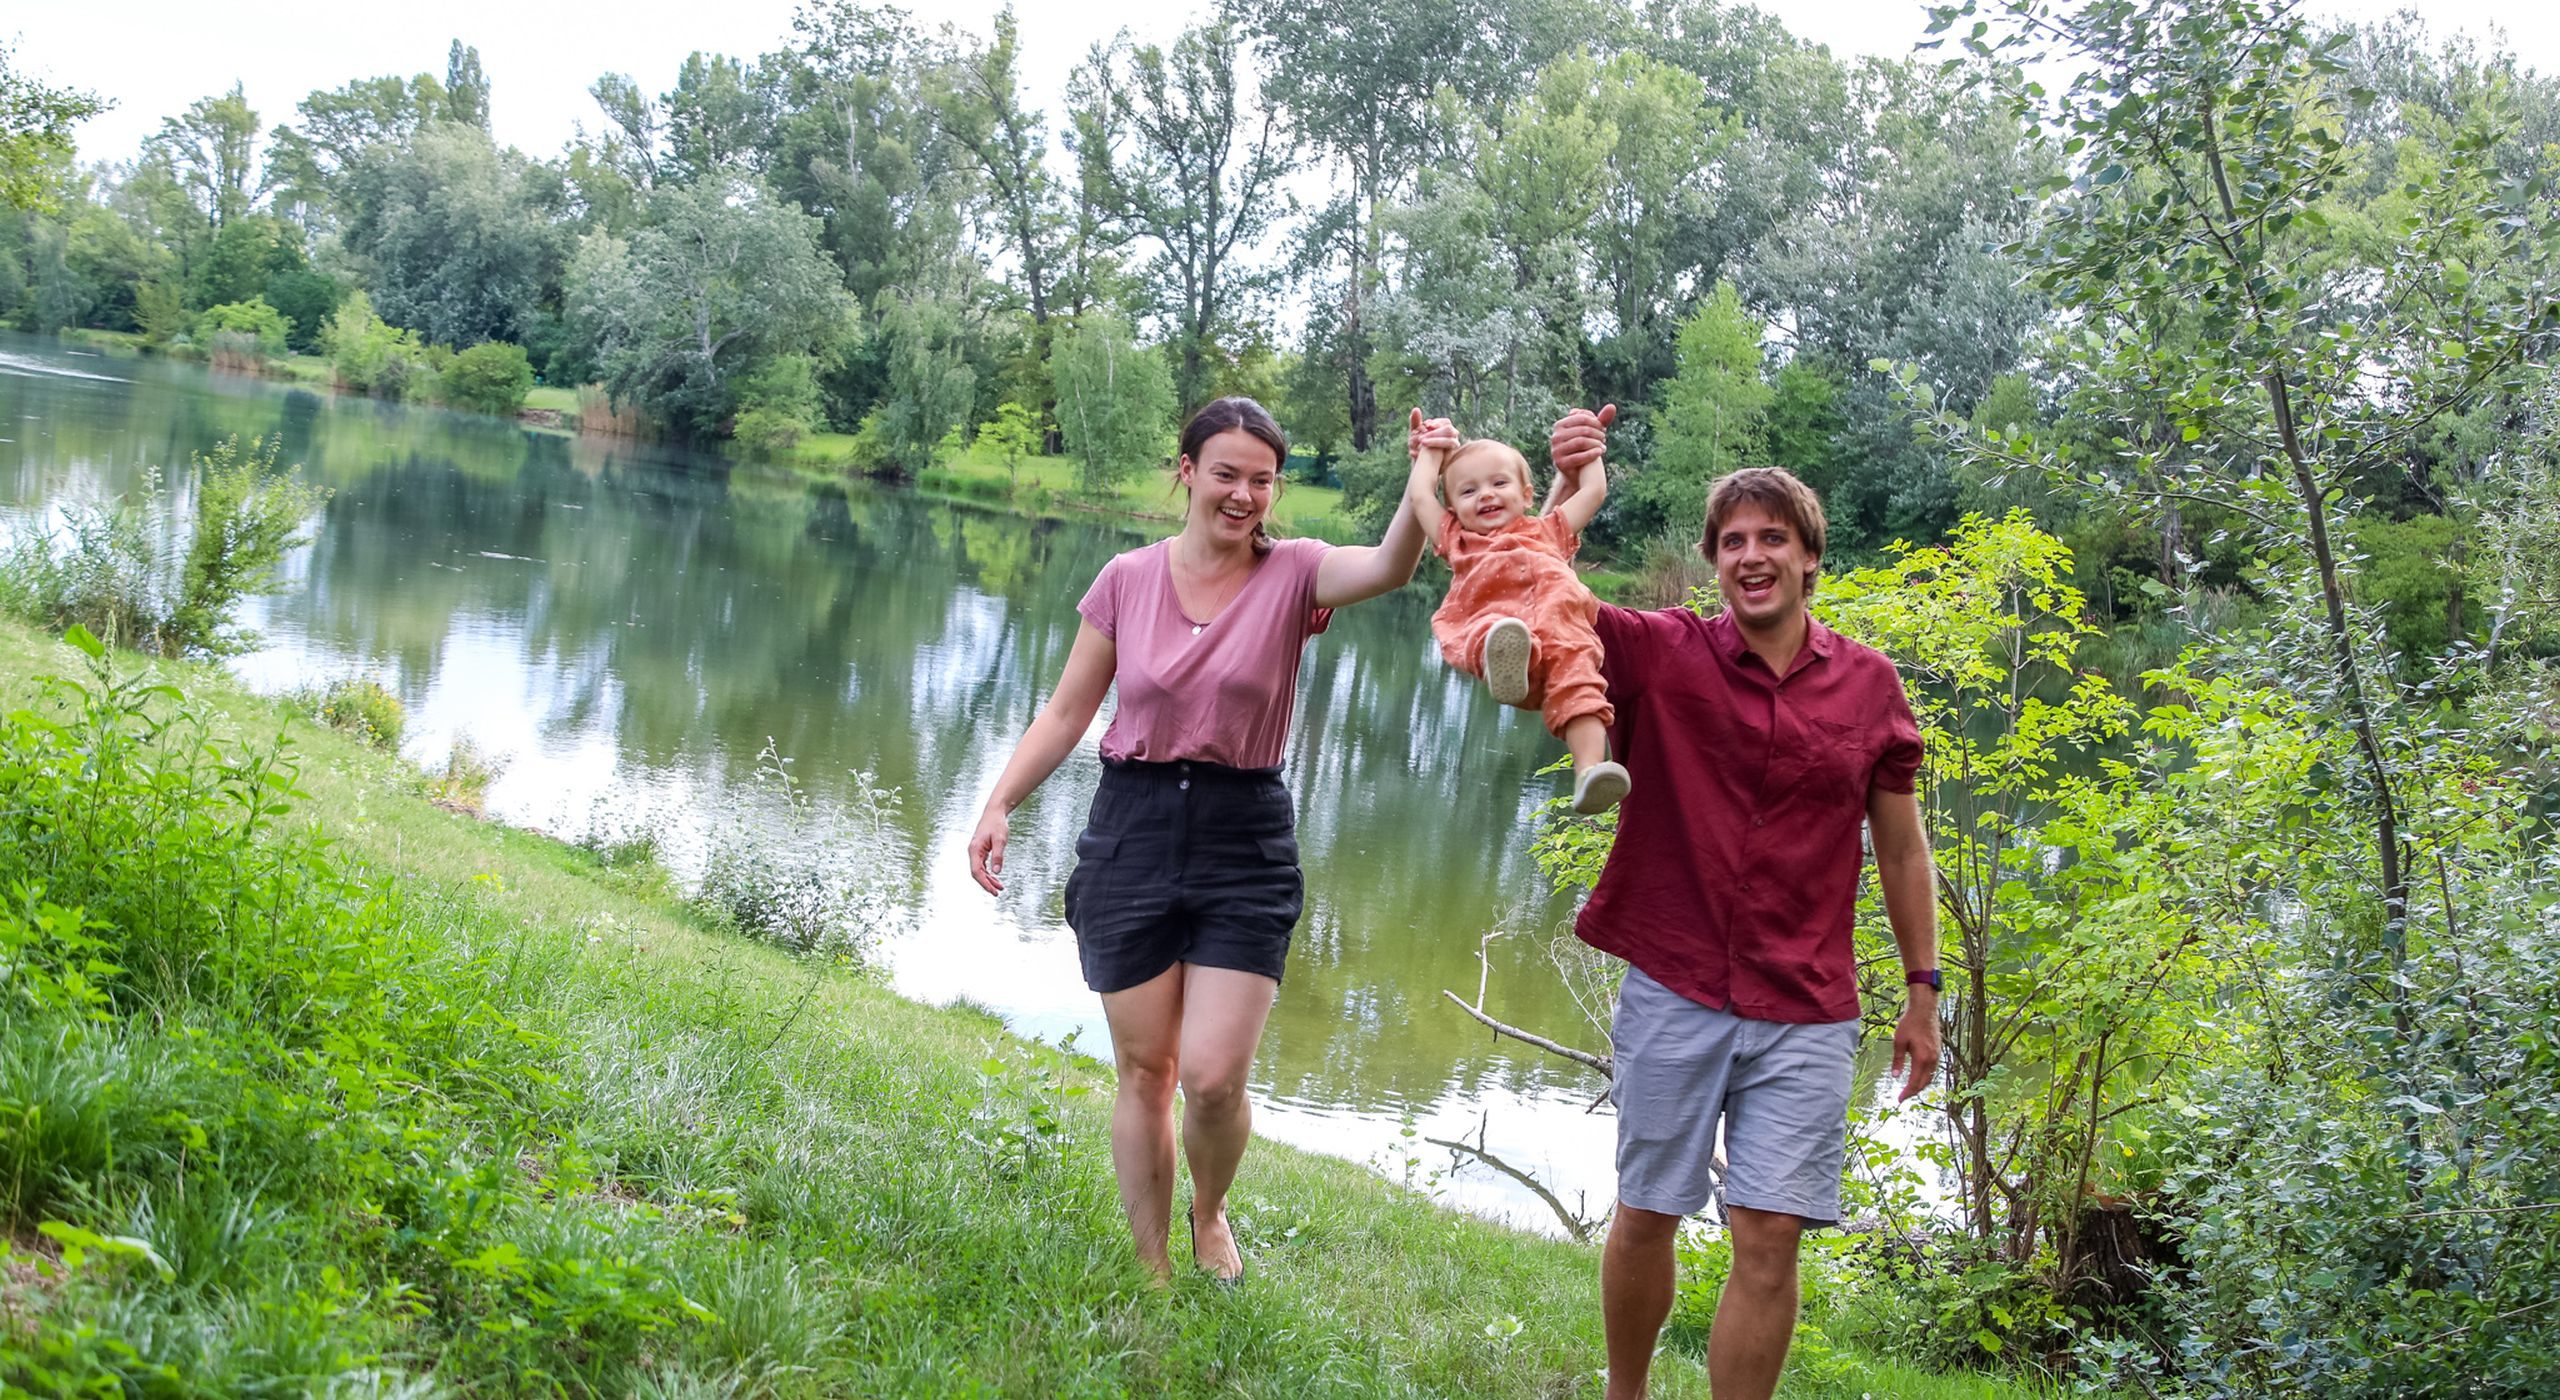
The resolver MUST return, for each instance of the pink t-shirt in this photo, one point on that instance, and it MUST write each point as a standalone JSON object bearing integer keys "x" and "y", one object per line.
{"x": 1218, "y": 691}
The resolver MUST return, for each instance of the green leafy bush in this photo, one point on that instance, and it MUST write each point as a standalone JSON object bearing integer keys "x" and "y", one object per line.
{"x": 778, "y": 404}
{"x": 491, "y": 377}
{"x": 363, "y": 707}
{"x": 131, "y": 571}
{"x": 264, "y": 328}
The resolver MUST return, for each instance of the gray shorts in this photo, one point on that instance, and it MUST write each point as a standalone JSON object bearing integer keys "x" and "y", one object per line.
{"x": 1779, "y": 1090}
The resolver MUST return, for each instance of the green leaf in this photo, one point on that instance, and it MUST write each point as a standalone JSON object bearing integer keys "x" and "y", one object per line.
{"x": 86, "y": 641}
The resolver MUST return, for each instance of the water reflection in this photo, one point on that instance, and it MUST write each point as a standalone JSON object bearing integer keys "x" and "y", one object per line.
{"x": 625, "y": 627}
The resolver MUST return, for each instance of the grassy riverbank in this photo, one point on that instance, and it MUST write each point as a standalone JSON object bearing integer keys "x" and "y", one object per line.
{"x": 447, "y": 1099}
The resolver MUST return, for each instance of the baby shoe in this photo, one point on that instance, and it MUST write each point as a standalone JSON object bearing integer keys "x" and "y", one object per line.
{"x": 1599, "y": 787}
{"x": 1506, "y": 661}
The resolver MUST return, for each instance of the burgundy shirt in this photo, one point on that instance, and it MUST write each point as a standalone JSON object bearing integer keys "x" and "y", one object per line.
{"x": 1734, "y": 877}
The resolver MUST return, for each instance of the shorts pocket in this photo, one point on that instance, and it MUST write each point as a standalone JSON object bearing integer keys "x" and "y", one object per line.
{"x": 1279, "y": 850}
{"x": 1093, "y": 849}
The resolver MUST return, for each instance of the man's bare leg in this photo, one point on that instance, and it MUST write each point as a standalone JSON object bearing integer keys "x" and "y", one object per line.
{"x": 1637, "y": 1271}
{"x": 1756, "y": 1316}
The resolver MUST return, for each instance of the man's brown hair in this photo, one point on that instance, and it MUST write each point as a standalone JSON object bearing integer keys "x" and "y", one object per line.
{"x": 1772, "y": 489}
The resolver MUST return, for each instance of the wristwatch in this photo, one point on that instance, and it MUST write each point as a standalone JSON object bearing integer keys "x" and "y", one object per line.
{"x": 1936, "y": 979}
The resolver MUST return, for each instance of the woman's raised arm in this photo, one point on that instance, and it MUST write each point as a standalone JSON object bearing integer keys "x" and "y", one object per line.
{"x": 1091, "y": 663}
{"x": 1357, "y": 573}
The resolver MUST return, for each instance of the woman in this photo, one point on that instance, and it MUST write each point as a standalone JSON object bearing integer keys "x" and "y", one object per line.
{"x": 1186, "y": 885}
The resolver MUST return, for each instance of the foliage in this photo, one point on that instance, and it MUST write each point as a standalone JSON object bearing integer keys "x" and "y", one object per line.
{"x": 136, "y": 571}
{"x": 35, "y": 136}
{"x": 773, "y": 877}
{"x": 457, "y": 235}
{"x": 261, "y": 326}
{"x": 724, "y": 278}
{"x": 1115, "y": 401}
{"x": 371, "y": 356}
{"x": 778, "y": 403}
{"x": 363, "y": 707}
{"x": 1170, "y": 143}
{"x": 491, "y": 377}
{"x": 1013, "y": 434}
{"x": 1711, "y": 423}
{"x": 463, "y": 786}
{"x": 931, "y": 383}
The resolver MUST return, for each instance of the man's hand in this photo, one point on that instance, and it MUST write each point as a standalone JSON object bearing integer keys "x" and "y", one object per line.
{"x": 1580, "y": 439}
{"x": 1915, "y": 1041}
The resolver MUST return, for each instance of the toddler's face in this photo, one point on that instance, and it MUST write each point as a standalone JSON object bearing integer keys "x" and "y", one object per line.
{"x": 1488, "y": 487}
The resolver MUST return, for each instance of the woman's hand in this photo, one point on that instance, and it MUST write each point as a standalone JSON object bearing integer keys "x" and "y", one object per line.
{"x": 1422, "y": 432}
{"x": 986, "y": 848}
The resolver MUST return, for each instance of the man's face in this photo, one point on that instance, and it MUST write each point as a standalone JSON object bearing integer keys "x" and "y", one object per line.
{"x": 1762, "y": 567}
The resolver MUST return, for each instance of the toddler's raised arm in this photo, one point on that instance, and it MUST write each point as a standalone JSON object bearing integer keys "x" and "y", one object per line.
{"x": 1430, "y": 443}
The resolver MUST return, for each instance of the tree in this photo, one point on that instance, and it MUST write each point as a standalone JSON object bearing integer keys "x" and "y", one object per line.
{"x": 716, "y": 119}
{"x": 931, "y": 383}
{"x": 211, "y": 148}
{"x": 980, "y": 106}
{"x": 1201, "y": 178}
{"x": 1712, "y": 413}
{"x": 455, "y": 237}
{"x": 1013, "y": 434}
{"x": 1115, "y": 400}
{"x": 723, "y": 278}
{"x": 35, "y": 136}
{"x": 466, "y": 87}
{"x": 310, "y": 163}
{"x": 1358, "y": 81}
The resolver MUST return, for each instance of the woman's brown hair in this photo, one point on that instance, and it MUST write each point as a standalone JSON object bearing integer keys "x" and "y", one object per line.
{"x": 1236, "y": 415}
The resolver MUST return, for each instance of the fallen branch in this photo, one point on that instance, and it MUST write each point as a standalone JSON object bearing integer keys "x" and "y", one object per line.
{"x": 1580, "y": 1057}
{"x": 1575, "y": 1225}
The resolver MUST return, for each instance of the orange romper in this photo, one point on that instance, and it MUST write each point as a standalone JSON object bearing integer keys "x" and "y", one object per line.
{"x": 1525, "y": 570}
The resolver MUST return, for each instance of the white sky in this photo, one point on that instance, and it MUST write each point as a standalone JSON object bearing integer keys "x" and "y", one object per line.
{"x": 153, "y": 57}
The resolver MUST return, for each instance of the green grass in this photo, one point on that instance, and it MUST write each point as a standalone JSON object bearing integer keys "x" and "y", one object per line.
{"x": 510, "y": 1118}
{"x": 552, "y": 397}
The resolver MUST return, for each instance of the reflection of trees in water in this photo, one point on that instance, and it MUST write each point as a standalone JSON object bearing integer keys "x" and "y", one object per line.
{"x": 690, "y": 612}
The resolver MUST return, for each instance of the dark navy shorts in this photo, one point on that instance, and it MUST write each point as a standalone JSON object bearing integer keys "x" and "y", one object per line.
{"x": 1184, "y": 862}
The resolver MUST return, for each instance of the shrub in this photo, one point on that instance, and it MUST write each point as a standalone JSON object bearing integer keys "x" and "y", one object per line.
{"x": 371, "y": 356}
{"x": 128, "y": 571}
{"x": 464, "y": 784}
{"x": 785, "y": 886}
{"x": 778, "y": 404}
{"x": 362, "y": 707}
{"x": 491, "y": 377}
{"x": 252, "y": 327}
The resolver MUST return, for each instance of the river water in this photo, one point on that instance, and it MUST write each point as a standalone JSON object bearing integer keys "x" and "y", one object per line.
{"x": 625, "y": 627}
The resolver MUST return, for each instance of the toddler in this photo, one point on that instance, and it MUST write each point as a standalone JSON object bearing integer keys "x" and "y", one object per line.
{"x": 1517, "y": 615}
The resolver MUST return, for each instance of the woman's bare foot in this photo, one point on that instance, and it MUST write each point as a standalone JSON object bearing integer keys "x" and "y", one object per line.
{"x": 1214, "y": 1248}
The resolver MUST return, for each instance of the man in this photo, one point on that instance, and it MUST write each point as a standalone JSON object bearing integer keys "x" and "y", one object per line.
{"x": 1759, "y": 741}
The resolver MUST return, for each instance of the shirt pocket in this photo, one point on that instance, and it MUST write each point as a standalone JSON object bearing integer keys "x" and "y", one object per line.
{"x": 1839, "y": 762}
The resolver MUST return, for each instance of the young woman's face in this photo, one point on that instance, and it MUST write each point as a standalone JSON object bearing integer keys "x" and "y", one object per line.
{"x": 1487, "y": 490}
{"x": 1231, "y": 484}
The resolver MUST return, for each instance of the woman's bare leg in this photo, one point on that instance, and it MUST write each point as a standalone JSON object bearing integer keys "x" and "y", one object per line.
{"x": 1222, "y": 1018}
{"x": 1146, "y": 1037}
